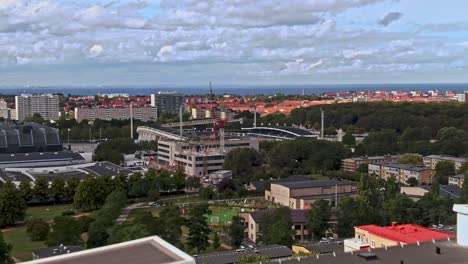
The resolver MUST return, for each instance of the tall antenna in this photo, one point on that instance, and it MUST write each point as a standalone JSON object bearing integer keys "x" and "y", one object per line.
{"x": 213, "y": 113}
{"x": 180, "y": 120}
{"x": 322, "y": 128}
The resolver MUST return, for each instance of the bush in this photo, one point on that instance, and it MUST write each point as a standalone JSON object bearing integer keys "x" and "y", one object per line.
{"x": 37, "y": 229}
{"x": 70, "y": 212}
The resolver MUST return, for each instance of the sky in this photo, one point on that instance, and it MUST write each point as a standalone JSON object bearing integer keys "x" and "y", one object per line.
{"x": 190, "y": 42}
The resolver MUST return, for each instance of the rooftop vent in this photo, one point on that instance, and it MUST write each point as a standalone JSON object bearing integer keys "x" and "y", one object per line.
{"x": 367, "y": 255}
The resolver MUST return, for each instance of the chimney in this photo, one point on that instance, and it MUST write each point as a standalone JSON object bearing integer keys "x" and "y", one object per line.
{"x": 462, "y": 223}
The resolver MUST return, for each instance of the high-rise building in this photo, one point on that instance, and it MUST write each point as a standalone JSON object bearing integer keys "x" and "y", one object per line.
{"x": 143, "y": 113}
{"x": 167, "y": 101}
{"x": 4, "y": 110}
{"x": 47, "y": 105}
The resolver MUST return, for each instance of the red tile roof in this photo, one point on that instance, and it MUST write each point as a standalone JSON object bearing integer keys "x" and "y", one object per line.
{"x": 407, "y": 233}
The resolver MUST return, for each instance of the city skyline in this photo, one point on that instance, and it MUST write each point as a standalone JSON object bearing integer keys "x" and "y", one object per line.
{"x": 49, "y": 43}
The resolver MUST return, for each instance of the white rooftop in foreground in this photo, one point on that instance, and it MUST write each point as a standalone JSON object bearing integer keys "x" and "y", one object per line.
{"x": 147, "y": 250}
{"x": 462, "y": 223}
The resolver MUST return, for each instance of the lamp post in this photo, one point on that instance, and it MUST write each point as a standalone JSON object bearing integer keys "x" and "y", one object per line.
{"x": 68, "y": 138}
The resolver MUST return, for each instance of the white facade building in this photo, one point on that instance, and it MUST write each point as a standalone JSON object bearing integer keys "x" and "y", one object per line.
{"x": 47, "y": 105}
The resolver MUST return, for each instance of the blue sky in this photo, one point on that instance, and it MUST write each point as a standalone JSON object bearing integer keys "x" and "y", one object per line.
{"x": 189, "y": 42}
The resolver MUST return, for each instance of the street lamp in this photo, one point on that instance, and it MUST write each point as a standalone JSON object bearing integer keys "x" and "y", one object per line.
{"x": 68, "y": 137}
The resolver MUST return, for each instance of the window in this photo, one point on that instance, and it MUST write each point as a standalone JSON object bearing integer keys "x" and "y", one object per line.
{"x": 297, "y": 227}
{"x": 372, "y": 244}
{"x": 251, "y": 226}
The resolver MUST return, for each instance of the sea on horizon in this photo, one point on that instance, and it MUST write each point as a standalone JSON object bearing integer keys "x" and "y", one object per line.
{"x": 238, "y": 90}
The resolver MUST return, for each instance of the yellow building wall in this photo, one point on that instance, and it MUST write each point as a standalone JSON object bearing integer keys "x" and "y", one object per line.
{"x": 373, "y": 240}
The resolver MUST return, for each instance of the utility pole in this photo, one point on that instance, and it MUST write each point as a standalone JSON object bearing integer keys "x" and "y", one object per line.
{"x": 322, "y": 128}
{"x": 255, "y": 116}
{"x": 68, "y": 137}
{"x": 131, "y": 120}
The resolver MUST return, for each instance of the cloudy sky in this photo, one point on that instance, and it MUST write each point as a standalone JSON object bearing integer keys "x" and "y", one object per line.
{"x": 184, "y": 42}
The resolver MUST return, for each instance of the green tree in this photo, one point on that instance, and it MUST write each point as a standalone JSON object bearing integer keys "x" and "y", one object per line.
{"x": 12, "y": 205}
{"x": 41, "y": 189}
{"x": 5, "y": 250}
{"x": 57, "y": 189}
{"x": 248, "y": 259}
{"x": 352, "y": 212}
{"x": 72, "y": 185}
{"x": 464, "y": 190}
{"x": 400, "y": 209}
{"x": 199, "y": 231}
{"x": 411, "y": 159}
{"x": 349, "y": 139}
{"x": 170, "y": 224}
{"x": 463, "y": 168}
{"x": 379, "y": 143}
{"x": 122, "y": 233}
{"x": 236, "y": 231}
{"x": 276, "y": 227}
{"x": 37, "y": 229}
{"x": 318, "y": 217}
{"x": 65, "y": 230}
{"x": 97, "y": 235}
{"x": 90, "y": 194}
{"x": 443, "y": 170}
{"x": 26, "y": 190}
{"x": 242, "y": 162}
{"x": 216, "y": 242}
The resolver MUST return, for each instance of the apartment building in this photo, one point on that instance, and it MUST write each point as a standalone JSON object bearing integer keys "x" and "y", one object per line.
{"x": 401, "y": 172}
{"x": 253, "y": 221}
{"x": 373, "y": 236}
{"x": 457, "y": 180}
{"x": 4, "y": 110}
{"x": 353, "y": 164}
{"x": 167, "y": 101}
{"x": 198, "y": 158}
{"x": 47, "y": 105}
{"x": 203, "y": 113}
{"x": 301, "y": 194}
{"x": 143, "y": 113}
{"x": 432, "y": 160}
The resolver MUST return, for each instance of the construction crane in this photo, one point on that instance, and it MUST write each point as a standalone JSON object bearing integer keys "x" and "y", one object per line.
{"x": 221, "y": 122}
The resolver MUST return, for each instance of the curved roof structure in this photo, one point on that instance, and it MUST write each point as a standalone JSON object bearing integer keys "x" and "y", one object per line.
{"x": 28, "y": 137}
{"x": 280, "y": 132}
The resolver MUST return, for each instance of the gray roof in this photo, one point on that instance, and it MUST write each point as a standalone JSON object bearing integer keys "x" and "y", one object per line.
{"x": 324, "y": 196}
{"x": 228, "y": 257}
{"x": 106, "y": 168}
{"x": 324, "y": 248}
{"x": 265, "y": 184}
{"x": 450, "y": 253}
{"x": 376, "y": 157}
{"x": 313, "y": 183}
{"x": 451, "y": 191}
{"x": 297, "y": 215}
{"x": 449, "y": 158}
{"x": 56, "y": 251}
{"x": 19, "y": 158}
{"x": 402, "y": 166}
{"x": 458, "y": 176}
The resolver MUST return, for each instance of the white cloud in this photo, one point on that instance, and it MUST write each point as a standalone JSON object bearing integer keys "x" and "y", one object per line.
{"x": 239, "y": 37}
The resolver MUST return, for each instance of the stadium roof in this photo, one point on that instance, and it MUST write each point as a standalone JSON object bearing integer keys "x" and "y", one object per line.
{"x": 406, "y": 233}
{"x": 280, "y": 132}
{"x": 28, "y": 137}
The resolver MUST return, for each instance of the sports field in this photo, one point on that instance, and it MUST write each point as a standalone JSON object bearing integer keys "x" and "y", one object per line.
{"x": 221, "y": 215}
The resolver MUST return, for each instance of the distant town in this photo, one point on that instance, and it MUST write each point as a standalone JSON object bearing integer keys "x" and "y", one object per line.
{"x": 224, "y": 179}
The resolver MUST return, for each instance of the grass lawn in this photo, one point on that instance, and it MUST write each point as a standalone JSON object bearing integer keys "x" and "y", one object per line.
{"x": 154, "y": 211}
{"x": 47, "y": 212}
{"x": 22, "y": 244}
{"x": 221, "y": 215}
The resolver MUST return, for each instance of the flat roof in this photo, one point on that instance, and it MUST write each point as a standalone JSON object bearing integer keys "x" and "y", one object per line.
{"x": 141, "y": 251}
{"x": 449, "y": 158}
{"x": 406, "y": 233}
{"x": 8, "y": 158}
{"x": 374, "y": 157}
{"x": 450, "y": 253}
{"x": 232, "y": 256}
{"x": 297, "y": 215}
{"x": 312, "y": 183}
{"x": 401, "y": 166}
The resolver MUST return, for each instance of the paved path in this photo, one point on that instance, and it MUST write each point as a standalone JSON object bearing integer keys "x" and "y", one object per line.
{"x": 126, "y": 211}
